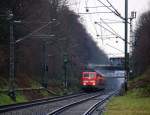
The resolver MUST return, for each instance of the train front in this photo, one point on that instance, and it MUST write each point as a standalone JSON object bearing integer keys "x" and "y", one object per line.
{"x": 92, "y": 80}
{"x": 88, "y": 80}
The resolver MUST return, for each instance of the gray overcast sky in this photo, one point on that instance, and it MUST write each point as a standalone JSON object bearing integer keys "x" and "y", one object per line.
{"x": 112, "y": 46}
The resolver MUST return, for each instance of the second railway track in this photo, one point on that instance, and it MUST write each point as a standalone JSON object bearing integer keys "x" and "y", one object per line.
{"x": 53, "y": 106}
{"x": 84, "y": 106}
{"x": 43, "y": 106}
{"x": 13, "y": 107}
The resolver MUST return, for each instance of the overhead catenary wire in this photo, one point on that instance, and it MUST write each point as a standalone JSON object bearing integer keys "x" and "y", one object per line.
{"x": 92, "y": 24}
{"x": 105, "y": 27}
{"x": 112, "y": 20}
{"x": 115, "y": 22}
{"x": 94, "y": 12}
{"x": 113, "y": 11}
{"x": 114, "y": 48}
{"x": 110, "y": 28}
{"x": 91, "y": 20}
{"x": 114, "y": 54}
{"x": 30, "y": 22}
{"x": 86, "y": 4}
{"x": 96, "y": 6}
{"x": 33, "y": 32}
{"x": 118, "y": 36}
{"x": 101, "y": 32}
{"x": 113, "y": 33}
{"x": 90, "y": 13}
{"x": 109, "y": 21}
{"x": 101, "y": 29}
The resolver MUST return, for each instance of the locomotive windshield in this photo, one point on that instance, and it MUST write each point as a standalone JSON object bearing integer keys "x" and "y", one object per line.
{"x": 91, "y": 75}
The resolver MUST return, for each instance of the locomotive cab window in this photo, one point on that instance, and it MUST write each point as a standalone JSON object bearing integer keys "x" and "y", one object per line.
{"x": 91, "y": 75}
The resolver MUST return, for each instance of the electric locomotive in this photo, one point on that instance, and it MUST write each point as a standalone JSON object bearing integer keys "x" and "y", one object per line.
{"x": 92, "y": 80}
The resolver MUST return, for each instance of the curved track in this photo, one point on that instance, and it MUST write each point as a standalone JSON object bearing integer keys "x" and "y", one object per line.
{"x": 14, "y": 107}
{"x": 85, "y": 106}
{"x": 75, "y": 104}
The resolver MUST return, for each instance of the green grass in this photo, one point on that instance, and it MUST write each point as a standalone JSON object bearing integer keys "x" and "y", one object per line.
{"x": 129, "y": 104}
{"x": 34, "y": 84}
{"x": 45, "y": 93}
{"x": 5, "y": 99}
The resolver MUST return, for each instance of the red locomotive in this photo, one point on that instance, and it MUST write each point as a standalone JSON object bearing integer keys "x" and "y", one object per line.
{"x": 92, "y": 80}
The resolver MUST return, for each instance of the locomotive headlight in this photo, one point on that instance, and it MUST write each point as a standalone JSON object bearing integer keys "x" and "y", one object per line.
{"x": 93, "y": 83}
{"x": 84, "y": 83}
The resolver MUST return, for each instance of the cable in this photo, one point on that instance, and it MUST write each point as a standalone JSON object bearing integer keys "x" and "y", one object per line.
{"x": 96, "y": 6}
{"x": 118, "y": 36}
{"x": 114, "y": 33}
{"x": 86, "y": 4}
{"x": 101, "y": 29}
{"x": 91, "y": 20}
{"x": 30, "y": 22}
{"x": 111, "y": 10}
{"x": 110, "y": 27}
{"x": 114, "y": 9}
{"x": 114, "y": 48}
{"x": 35, "y": 31}
{"x": 114, "y": 54}
{"x": 93, "y": 24}
{"x": 93, "y": 12}
{"x": 115, "y": 22}
{"x": 109, "y": 30}
{"x": 111, "y": 20}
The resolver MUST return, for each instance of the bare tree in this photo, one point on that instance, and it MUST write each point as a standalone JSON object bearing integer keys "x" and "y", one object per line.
{"x": 142, "y": 44}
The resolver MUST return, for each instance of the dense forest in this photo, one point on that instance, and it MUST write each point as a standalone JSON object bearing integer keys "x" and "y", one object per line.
{"x": 141, "y": 56}
{"x": 45, "y": 26}
{"x": 141, "y": 53}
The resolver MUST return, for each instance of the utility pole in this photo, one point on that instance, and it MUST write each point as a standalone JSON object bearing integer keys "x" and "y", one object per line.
{"x": 132, "y": 41}
{"x": 12, "y": 93}
{"x": 45, "y": 64}
{"x": 45, "y": 42}
{"x": 126, "y": 41}
{"x": 65, "y": 70}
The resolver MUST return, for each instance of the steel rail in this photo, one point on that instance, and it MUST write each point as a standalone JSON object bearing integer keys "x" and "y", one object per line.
{"x": 18, "y": 106}
{"x": 101, "y": 102}
{"x": 57, "y": 111}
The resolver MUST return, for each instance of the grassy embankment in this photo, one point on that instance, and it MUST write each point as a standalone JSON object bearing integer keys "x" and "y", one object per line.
{"x": 135, "y": 102}
{"x": 4, "y": 98}
{"x": 21, "y": 96}
{"x": 54, "y": 88}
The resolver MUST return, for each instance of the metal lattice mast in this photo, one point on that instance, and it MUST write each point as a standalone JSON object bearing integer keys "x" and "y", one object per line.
{"x": 126, "y": 40}
{"x": 12, "y": 59}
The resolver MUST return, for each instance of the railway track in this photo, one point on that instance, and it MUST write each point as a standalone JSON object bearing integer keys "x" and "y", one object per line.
{"x": 84, "y": 106}
{"x": 70, "y": 104}
{"x": 13, "y": 107}
{"x": 93, "y": 108}
{"x": 41, "y": 107}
